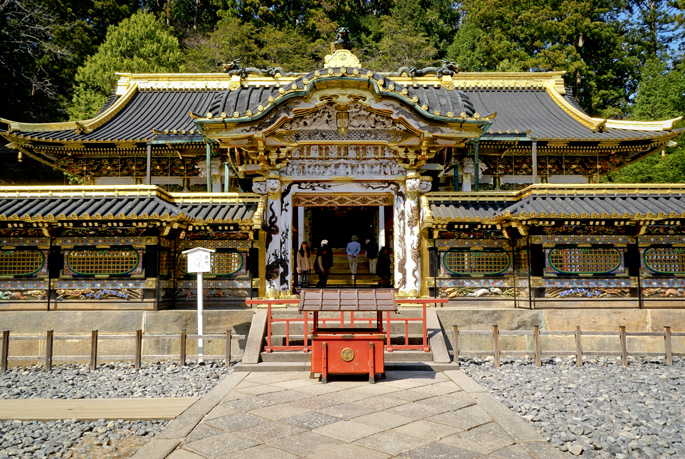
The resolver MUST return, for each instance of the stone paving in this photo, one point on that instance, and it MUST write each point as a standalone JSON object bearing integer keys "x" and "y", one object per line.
{"x": 408, "y": 415}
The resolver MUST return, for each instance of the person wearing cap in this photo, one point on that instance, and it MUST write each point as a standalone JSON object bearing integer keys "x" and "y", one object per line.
{"x": 353, "y": 249}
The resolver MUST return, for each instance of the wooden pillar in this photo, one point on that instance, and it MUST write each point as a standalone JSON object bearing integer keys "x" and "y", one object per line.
{"x": 93, "y": 350}
{"x": 48, "y": 351}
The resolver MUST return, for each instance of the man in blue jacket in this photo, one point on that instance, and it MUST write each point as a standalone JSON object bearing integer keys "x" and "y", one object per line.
{"x": 353, "y": 249}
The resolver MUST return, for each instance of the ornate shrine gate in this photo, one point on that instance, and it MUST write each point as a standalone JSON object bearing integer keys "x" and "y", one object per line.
{"x": 341, "y": 134}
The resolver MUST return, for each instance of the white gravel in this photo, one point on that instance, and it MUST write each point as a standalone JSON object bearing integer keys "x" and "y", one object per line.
{"x": 599, "y": 410}
{"x": 111, "y": 380}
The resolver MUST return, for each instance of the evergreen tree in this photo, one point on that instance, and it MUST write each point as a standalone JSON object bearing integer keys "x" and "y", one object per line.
{"x": 140, "y": 44}
{"x": 661, "y": 96}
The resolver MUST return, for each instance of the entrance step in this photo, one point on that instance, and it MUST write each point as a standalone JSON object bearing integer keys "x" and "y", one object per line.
{"x": 299, "y": 356}
{"x": 302, "y": 366}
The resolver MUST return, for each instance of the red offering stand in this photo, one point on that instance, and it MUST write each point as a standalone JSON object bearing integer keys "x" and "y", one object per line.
{"x": 348, "y": 350}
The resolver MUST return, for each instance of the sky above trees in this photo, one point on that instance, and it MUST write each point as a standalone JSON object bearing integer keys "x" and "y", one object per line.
{"x": 623, "y": 58}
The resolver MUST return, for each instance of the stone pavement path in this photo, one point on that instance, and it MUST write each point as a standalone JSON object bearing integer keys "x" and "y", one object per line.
{"x": 408, "y": 415}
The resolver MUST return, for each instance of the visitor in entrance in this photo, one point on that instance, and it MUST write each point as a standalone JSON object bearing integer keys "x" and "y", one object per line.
{"x": 372, "y": 255}
{"x": 323, "y": 263}
{"x": 353, "y": 249}
{"x": 384, "y": 267}
{"x": 304, "y": 264}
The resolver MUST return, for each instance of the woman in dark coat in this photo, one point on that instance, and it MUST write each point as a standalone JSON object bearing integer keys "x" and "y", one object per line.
{"x": 383, "y": 267}
{"x": 323, "y": 263}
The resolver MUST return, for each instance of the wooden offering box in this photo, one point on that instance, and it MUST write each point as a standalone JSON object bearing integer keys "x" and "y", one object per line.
{"x": 347, "y": 350}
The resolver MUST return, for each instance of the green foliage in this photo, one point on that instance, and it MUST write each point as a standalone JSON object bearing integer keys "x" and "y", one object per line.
{"x": 661, "y": 96}
{"x": 138, "y": 44}
{"x": 582, "y": 37}
{"x": 261, "y": 48}
{"x": 394, "y": 44}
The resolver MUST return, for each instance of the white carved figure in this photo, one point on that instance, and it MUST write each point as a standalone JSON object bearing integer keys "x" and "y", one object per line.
{"x": 259, "y": 187}
{"x": 425, "y": 186}
{"x": 412, "y": 184}
{"x": 215, "y": 173}
{"x": 467, "y": 166}
{"x": 273, "y": 185}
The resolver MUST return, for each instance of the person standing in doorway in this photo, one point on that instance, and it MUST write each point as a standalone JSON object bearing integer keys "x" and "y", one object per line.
{"x": 304, "y": 264}
{"x": 372, "y": 254}
{"x": 384, "y": 267}
{"x": 353, "y": 249}
{"x": 323, "y": 263}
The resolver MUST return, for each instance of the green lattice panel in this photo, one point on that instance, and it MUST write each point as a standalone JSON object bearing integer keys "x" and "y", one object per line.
{"x": 222, "y": 263}
{"x": 582, "y": 260}
{"x": 110, "y": 262}
{"x": 665, "y": 260}
{"x": 472, "y": 262}
{"x": 21, "y": 262}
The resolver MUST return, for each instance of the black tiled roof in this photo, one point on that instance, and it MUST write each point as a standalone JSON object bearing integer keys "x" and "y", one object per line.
{"x": 123, "y": 207}
{"x": 534, "y": 111}
{"x": 467, "y": 210}
{"x": 147, "y": 110}
{"x": 593, "y": 206}
{"x": 520, "y": 112}
{"x": 219, "y": 213}
{"x": 71, "y": 207}
{"x": 250, "y": 98}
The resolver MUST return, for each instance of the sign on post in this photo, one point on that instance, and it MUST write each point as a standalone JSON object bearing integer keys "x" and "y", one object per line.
{"x": 199, "y": 261}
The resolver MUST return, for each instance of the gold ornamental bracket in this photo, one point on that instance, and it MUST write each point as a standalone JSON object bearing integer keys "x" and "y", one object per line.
{"x": 342, "y": 58}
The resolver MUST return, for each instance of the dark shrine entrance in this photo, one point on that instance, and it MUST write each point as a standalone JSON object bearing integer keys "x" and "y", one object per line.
{"x": 338, "y": 224}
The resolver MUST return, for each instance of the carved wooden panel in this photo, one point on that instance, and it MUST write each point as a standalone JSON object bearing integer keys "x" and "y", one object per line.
{"x": 330, "y": 200}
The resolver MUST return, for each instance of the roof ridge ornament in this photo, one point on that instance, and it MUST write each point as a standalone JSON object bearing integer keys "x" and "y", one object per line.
{"x": 341, "y": 56}
{"x": 448, "y": 68}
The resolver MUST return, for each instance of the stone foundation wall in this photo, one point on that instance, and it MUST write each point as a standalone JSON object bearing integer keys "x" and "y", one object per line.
{"x": 635, "y": 320}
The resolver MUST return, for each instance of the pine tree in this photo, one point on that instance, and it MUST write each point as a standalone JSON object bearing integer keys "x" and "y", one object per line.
{"x": 138, "y": 44}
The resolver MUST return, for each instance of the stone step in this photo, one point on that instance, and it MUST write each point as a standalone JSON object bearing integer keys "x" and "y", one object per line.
{"x": 305, "y": 366}
{"x": 299, "y": 356}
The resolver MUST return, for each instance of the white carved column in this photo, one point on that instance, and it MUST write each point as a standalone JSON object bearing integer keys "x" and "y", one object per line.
{"x": 277, "y": 236}
{"x": 381, "y": 226}
{"x": 412, "y": 235}
{"x": 399, "y": 238}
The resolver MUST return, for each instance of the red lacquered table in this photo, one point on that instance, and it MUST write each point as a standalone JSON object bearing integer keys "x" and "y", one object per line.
{"x": 348, "y": 350}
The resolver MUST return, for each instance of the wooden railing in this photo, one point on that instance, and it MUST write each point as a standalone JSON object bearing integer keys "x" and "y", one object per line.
{"x": 622, "y": 334}
{"x": 95, "y": 338}
{"x": 305, "y": 320}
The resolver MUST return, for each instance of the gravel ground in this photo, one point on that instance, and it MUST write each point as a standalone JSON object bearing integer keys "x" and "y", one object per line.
{"x": 111, "y": 380}
{"x": 75, "y": 439}
{"x": 600, "y": 410}
{"x": 96, "y": 439}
